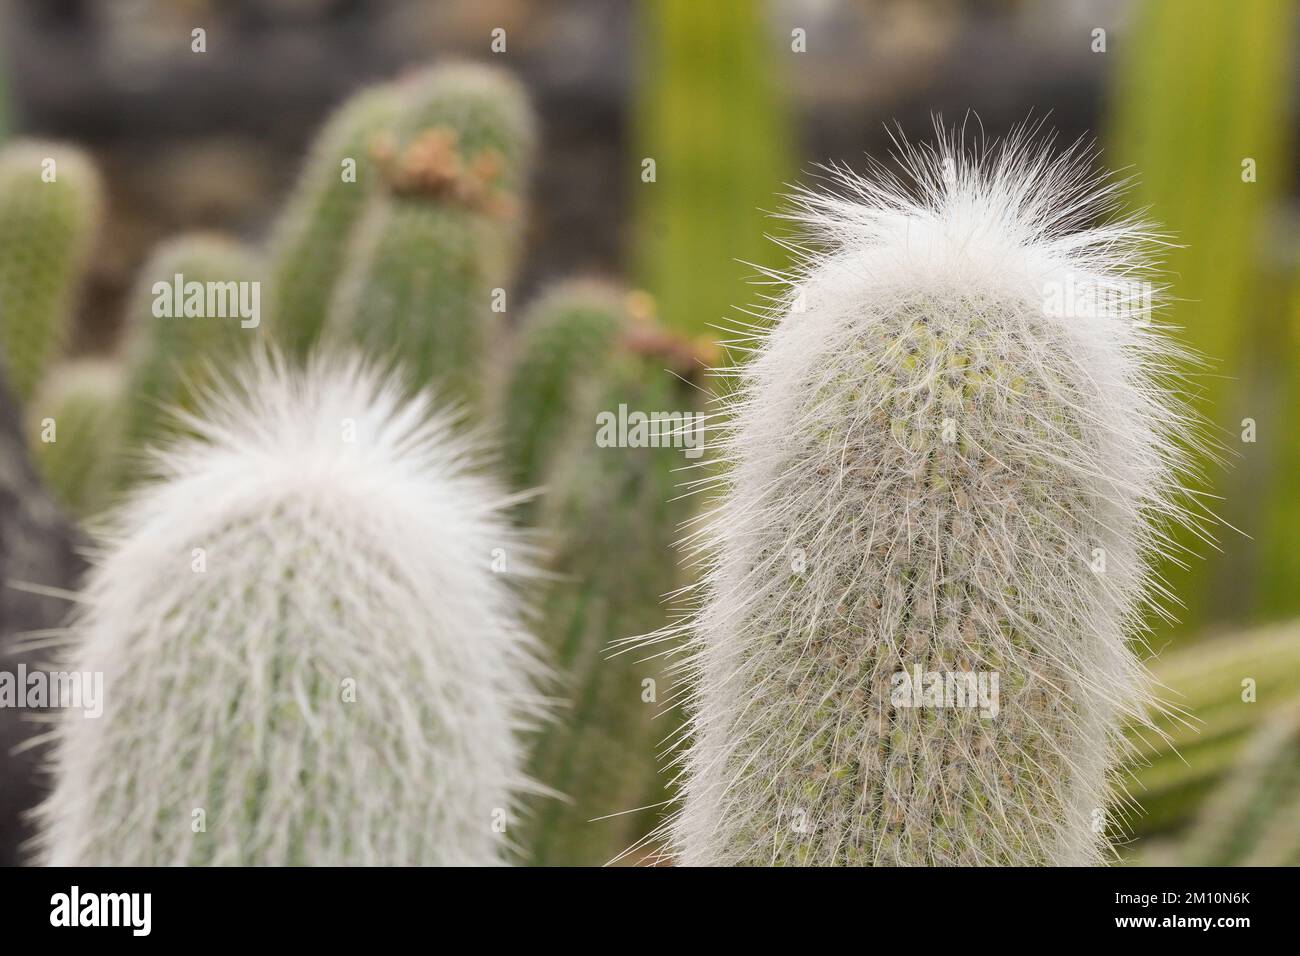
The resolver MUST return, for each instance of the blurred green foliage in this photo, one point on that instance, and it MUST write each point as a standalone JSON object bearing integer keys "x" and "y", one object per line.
{"x": 1201, "y": 104}
{"x": 711, "y": 115}
{"x": 1253, "y": 819}
{"x": 1201, "y": 117}
{"x": 1278, "y": 538}
{"x": 1212, "y": 712}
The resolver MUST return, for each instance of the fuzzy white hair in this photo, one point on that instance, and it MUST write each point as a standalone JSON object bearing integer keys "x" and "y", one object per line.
{"x": 301, "y": 636}
{"x": 930, "y": 468}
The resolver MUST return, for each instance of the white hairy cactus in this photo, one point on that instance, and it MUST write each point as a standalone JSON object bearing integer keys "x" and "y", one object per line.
{"x": 307, "y": 657}
{"x": 950, "y": 457}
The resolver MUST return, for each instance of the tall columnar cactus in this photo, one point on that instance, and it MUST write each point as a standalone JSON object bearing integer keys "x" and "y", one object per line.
{"x": 173, "y": 346}
{"x": 1201, "y": 114}
{"x": 314, "y": 233}
{"x": 75, "y": 426}
{"x": 708, "y": 91}
{"x": 949, "y": 460}
{"x": 1279, "y": 560}
{"x": 571, "y": 331}
{"x": 1253, "y": 819}
{"x": 608, "y": 513}
{"x": 306, "y": 655}
{"x": 49, "y": 212}
{"x": 432, "y": 250}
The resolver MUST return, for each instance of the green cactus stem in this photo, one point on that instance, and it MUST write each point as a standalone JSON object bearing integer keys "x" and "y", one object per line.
{"x": 313, "y": 235}
{"x": 427, "y": 271}
{"x": 592, "y": 361}
{"x": 50, "y": 207}
{"x": 75, "y": 426}
{"x": 927, "y": 561}
{"x": 179, "y": 331}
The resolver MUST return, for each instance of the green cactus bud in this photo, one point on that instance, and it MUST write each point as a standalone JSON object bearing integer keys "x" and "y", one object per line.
{"x": 426, "y": 272}
{"x": 50, "y": 206}
{"x": 313, "y": 234}
{"x": 76, "y": 430}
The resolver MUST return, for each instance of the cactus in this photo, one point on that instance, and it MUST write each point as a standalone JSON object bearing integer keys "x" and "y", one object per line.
{"x": 75, "y": 426}
{"x": 1196, "y": 741}
{"x": 1279, "y": 840}
{"x": 49, "y": 211}
{"x": 1201, "y": 104}
{"x": 610, "y": 514}
{"x": 306, "y": 656}
{"x": 312, "y": 235}
{"x": 708, "y": 91}
{"x": 432, "y": 249}
{"x": 571, "y": 330}
{"x": 1252, "y": 819}
{"x": 927, "y": 455}
{"x": 1278, "y": 564}
{"x": 169, "y": 358}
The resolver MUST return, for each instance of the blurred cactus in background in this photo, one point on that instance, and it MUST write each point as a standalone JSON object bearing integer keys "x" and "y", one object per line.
{"x": 75, "y": 423}
{"x": 50, "y": 209}
{"x": 1201, "y": 114}
{"x": 1253, "y": 819}
{"x": 311, "y": 661}
{"x": 316, "y": 228}
{"x": 568, "y": 335}
{"x": 1278, "y": 564}
{"x": 416, "y": 256}
{"x": 170, "y": 357}
{"x": 712, "y": 119}
{"x": 609, "y": 516}
{"x": 427, "y": 273}
{"x": 1219, "y": 692}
